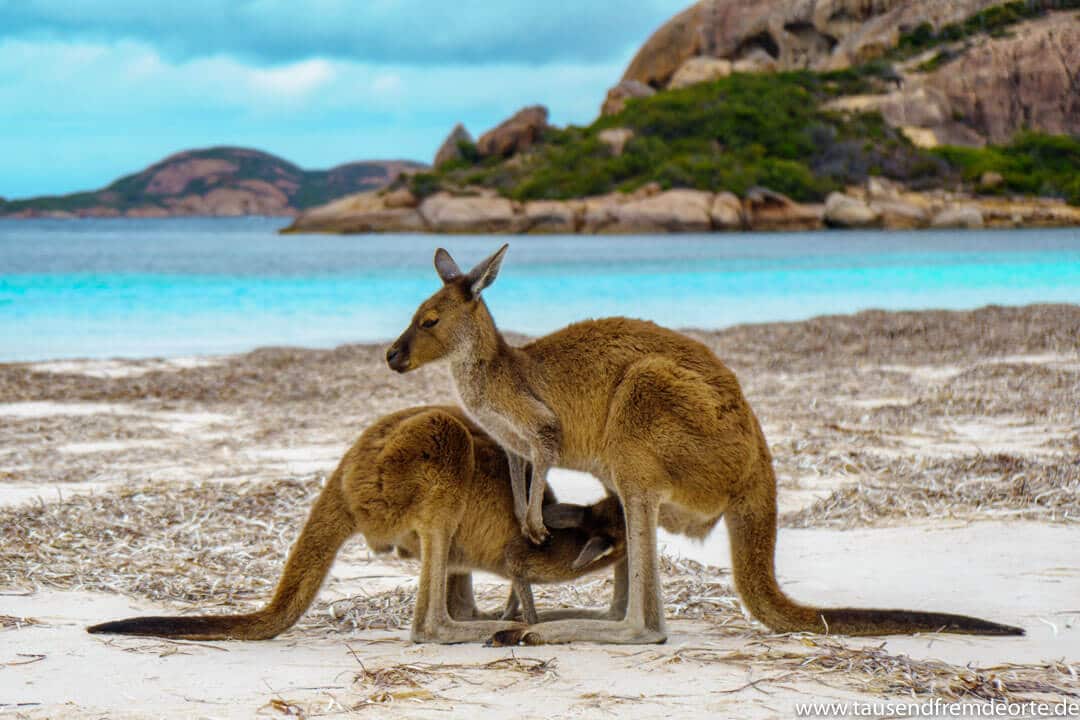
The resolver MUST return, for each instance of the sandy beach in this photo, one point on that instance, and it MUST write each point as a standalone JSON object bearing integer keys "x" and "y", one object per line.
{"x": 927, "y": 460}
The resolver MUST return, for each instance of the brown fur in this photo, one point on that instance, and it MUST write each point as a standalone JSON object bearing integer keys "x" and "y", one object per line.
{"x": 430, "y": 482}
{"x": 660, "y": 421}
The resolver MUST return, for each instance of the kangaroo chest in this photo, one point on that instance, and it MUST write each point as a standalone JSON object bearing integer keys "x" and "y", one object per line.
{"x": 477, "y": 404}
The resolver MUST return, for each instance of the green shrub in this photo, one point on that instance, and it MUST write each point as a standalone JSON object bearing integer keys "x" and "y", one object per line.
{"x": 993, "y": 21}
{"x": 756, "y": 129}
{"x": 1032, "y": 164}
{"x": 424, "y": 184}
{"x": 731, "y": 134}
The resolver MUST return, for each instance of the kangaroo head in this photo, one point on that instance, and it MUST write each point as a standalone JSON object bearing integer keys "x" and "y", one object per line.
{"x": 452, "y": 319}
{"x": 601, "y": 522}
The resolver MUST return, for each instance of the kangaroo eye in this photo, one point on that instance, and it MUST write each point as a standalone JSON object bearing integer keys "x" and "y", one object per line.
{"x": 430, "y": 323}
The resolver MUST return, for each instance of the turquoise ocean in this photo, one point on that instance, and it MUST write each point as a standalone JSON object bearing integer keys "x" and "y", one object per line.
{"x": 149, "y": 288}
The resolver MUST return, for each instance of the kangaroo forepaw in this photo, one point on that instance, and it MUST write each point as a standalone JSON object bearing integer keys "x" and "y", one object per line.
{"x": 535, "y": 531}
{"x": 513, "y": 638}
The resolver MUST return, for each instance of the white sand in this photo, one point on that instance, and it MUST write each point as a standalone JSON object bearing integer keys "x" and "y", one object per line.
{"x": 299, "y": 460}
{"x": 918, "y": 566}
{"x": 1018, "y": 572}
{"x": 906, "y": 567}
{"x": 119, "y": 368}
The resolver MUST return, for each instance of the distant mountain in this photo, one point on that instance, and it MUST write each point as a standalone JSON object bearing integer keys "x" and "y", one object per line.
{"x": 220, "y": 181}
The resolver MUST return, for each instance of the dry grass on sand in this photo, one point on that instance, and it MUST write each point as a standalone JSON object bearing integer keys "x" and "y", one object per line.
{"x": 220, "y": 545}
{"x": 178, "y": 488}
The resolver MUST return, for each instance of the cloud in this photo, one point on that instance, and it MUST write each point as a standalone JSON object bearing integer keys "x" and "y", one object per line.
{"x": 76, "y": 115}
{"x": 93, "y": 90}
{"x": 294, "y": 81}
{"x": 403, "y": 32}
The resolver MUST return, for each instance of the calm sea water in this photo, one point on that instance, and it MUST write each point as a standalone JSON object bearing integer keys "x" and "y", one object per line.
{"x": 142, "y": 288}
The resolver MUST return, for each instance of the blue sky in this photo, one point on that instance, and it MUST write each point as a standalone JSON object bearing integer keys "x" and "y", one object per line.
{"x": 91, "y": 90}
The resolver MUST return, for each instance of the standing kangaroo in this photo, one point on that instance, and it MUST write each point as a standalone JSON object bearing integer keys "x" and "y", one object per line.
{"x": 661, "y": 422}
{"x": 430, "y": 482}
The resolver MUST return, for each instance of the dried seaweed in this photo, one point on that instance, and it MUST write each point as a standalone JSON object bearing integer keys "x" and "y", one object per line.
{"x": 875, "y": 670}
{"x": 210, "y": 544}
{"x": 10, "y": 622}
{"x": 969, "y": 487}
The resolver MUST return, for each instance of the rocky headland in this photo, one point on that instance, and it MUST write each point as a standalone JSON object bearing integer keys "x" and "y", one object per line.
{"x": 222, "y": 181}
{"x": 781, "y": 115}
{"x": 652, "y": 210}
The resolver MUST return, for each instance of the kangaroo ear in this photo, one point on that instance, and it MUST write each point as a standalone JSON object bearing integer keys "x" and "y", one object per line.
{"x": 486, "y": 271}
{"x": 597, "y": 547}
{"x": 563, "y": 515}
{"x": 446, "y": 267}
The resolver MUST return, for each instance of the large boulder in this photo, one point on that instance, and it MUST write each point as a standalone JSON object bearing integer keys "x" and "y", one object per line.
{"x": 698, "y": 70}
{"x": 450, "y": 149}
{"x": 515, "y": 135}
{"x": 990, "y": 180}
{"x": 958, "y": 216}
{"x": 1028, "y": 212}
{"x": 399, "y": 198}
{"x": 481, "y": 213}
{"x": 786, "y": 34}
{"x": 849, "y": 212}
{"x": 370, "y": 212}
{"x": 727, "y": 212}
{"x": 993, "y": 88}
{"x": 616, "y": 139}
{"x": 401, "y": 220}
{"x": 1027, "y": 79}
{"x": 671, "y": 211}
{"x": 556, "y": 217}
{"x": 900, "y": 214}
{"x": 598, "y": 212}
{"x": 924, "y": 114}
{"x": 677, "y": 40}
{"x": 769, "y": 210}
{"x": 625, "y": 90}
{"x": 757, "y": 60}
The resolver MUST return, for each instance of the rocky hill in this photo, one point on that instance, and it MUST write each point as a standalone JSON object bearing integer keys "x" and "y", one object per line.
{"x": 220, "y": 181}
{"x": 966, "y": 71}
{"x": 782, "y": 114}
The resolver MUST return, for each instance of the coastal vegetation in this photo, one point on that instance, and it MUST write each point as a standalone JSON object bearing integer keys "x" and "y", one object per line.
{"x": 994, "y": 21}
{"x": 1032, "y": 164}
{"x": 750, "y": 130}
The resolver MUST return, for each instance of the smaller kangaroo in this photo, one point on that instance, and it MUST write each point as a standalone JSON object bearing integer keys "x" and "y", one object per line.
{"x": 429, "y": 482}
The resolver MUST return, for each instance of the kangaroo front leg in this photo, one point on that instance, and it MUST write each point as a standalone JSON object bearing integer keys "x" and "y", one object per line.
{"x": 518, "y": 485}
{"x": 431, "y": 620}
{"x": 532, "y": 525}
{"x": 545, "y": 440}
{"x": 512, "y": 604}
{"x": 523, "y": 590}
{"x": 644, "y": 621}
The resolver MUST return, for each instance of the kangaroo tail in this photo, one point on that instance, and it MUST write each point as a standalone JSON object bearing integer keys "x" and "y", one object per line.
{"x": 752, "y": 531}
{"x": 327, "y": 528}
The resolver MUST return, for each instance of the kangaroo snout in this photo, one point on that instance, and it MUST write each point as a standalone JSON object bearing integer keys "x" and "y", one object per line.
{"x": 397, "y": 358}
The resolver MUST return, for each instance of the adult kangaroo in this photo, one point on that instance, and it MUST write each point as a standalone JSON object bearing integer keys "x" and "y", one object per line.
{"x": 661, "y": 422}
{"x": 430, "y": 482}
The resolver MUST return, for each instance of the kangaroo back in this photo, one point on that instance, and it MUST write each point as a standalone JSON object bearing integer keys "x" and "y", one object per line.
{"x": 327, "y": 528}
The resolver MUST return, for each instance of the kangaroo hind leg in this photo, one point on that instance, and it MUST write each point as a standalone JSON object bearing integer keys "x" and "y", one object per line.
{"x": 432, "y": 621}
